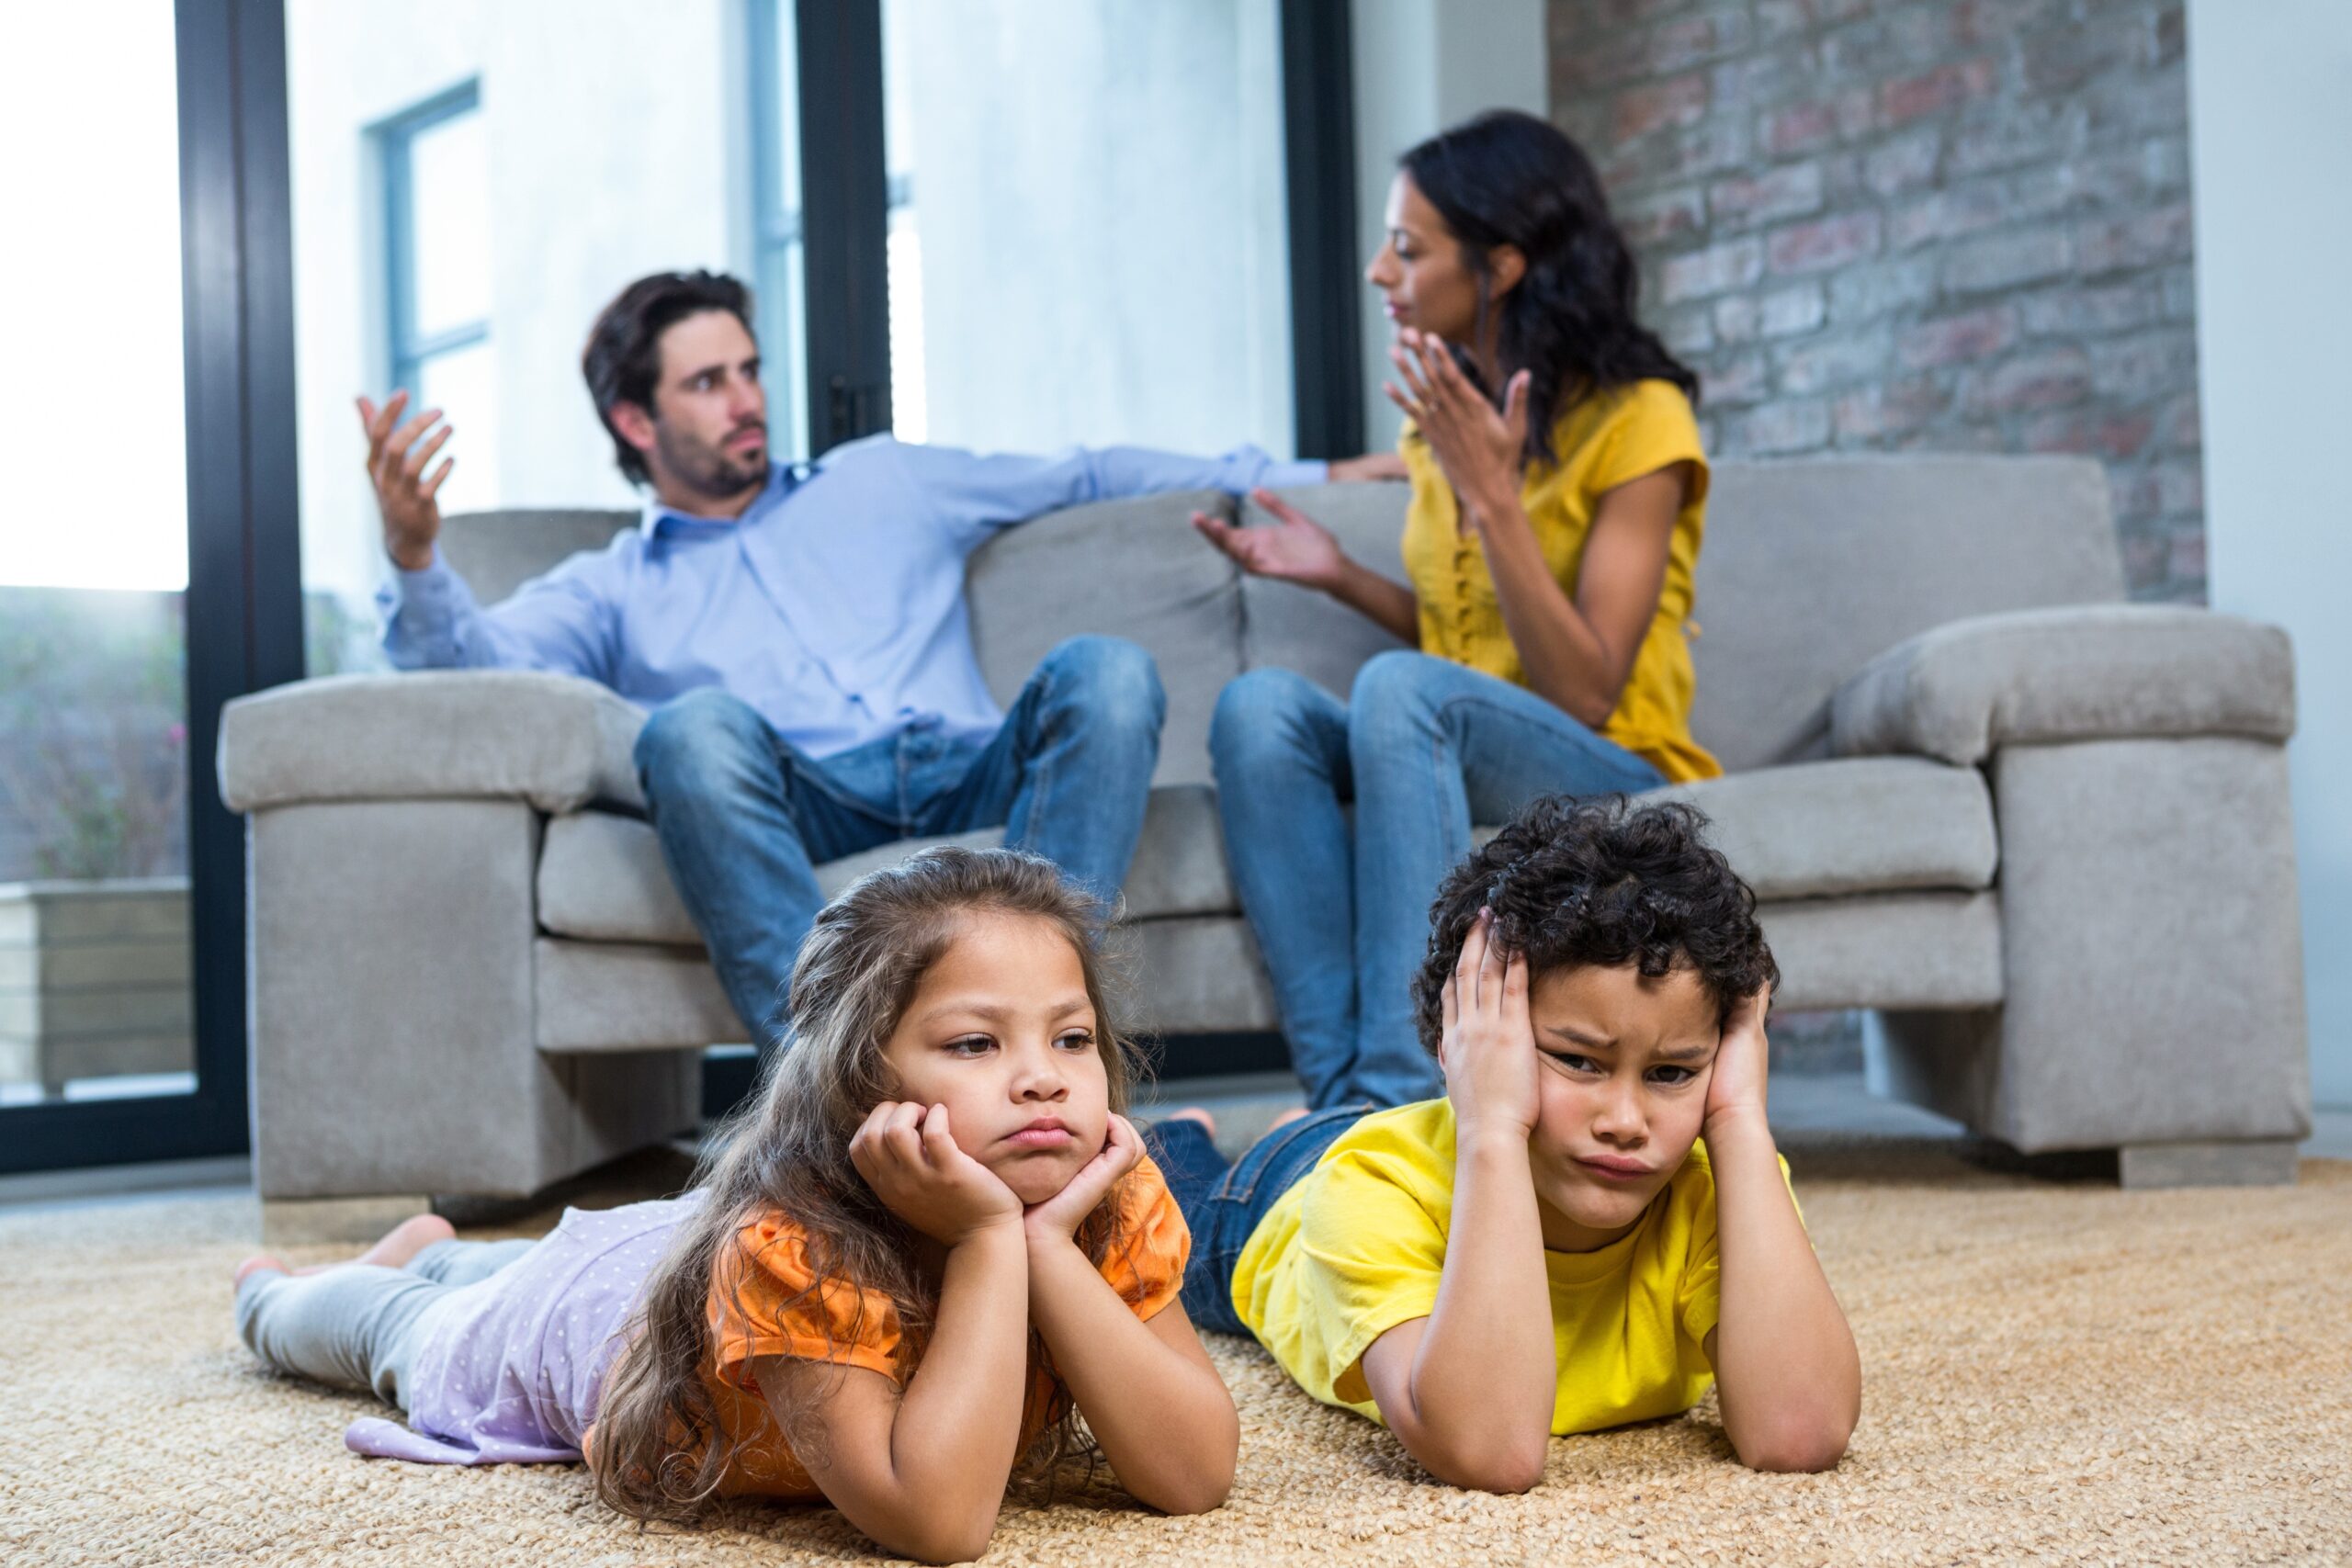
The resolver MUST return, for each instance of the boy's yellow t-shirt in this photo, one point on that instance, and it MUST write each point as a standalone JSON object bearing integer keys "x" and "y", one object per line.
{"x": 1357, "y": 1246}
{"x": 1604, "y": 441}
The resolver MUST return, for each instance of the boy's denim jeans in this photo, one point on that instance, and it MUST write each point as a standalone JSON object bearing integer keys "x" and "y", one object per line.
{"x": 745, "y": 816}
{"x": 1222, "y": 1205}
{"x": 1424, "y": 748}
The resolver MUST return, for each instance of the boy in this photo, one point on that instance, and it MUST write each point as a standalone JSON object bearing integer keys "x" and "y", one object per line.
{"x": 1550, "y": 1248}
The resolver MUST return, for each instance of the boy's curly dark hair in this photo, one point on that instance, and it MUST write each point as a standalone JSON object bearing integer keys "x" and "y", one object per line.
{"x": 1602, "y": 881}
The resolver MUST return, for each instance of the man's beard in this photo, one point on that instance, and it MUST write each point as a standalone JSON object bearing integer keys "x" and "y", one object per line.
{"x": 707, "y": 470}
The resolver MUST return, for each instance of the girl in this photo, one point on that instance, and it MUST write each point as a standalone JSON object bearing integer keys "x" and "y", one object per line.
{"x": 1558, "y": 495}
{"x": 1591, "y": 1224}
{"x": 930, "y": 1244}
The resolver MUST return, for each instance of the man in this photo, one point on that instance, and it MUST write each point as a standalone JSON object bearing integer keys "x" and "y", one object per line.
{"x": 800, "y": 634}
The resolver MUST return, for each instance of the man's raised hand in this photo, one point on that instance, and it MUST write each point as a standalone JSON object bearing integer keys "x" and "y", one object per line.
{"x": 405, "y": 495}
{"x": 1292, "y": 548}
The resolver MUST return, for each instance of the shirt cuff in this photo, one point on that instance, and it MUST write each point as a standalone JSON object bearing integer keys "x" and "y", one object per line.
{"x": 434, "y": 570}
{"x": 1286, "y": 476}
{"x": 420, "y": 610}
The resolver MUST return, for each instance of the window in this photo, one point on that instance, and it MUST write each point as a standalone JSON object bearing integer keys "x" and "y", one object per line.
{"x": 1087, "y": 237}
{"x": 779, "y": 267}
{"x": 1036, "y": 222}
{"x": 437, "y": 277}
{"x": 125, "y": 627}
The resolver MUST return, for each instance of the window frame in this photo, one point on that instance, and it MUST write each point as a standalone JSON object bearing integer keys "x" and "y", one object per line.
{"x": 407, "y": 352}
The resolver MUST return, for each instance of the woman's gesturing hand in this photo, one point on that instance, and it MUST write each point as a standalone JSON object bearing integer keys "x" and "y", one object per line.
{"x": 1294, "y": 548}
{"x": 1737, "y": 1083}
{"x": 1487, "y": 1048}
{"x": 1477, "y": 447}
{"x": 1059, "y": 1217}
{"x": 908, "y": 1155}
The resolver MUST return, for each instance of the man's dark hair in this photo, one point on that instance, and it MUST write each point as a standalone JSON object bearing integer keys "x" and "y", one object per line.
{"x": 1600, "y": 881}
{"x": 623, "y": 360}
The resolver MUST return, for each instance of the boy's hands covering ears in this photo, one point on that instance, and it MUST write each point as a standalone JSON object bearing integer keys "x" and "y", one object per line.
{"x": 1059, "y": 1217}
{"x": 1736, "y": 1085}
{"x": 1487, "y": 1048}
{"x": 909, "y": 1157}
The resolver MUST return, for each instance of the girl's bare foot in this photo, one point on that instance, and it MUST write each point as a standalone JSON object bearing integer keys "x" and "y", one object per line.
{"x": 405, "y": 1240}
{"x": 1194, "y": 1114}
{"x": 399, "y": 1243}
{"x": 257, "y": 1264}
{"x": 1286, "y": 1118}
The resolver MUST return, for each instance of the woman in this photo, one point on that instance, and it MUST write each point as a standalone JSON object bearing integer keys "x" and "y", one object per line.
{"x": 1558, "y": 495}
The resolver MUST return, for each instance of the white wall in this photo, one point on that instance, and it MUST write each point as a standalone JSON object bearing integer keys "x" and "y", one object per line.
{"x": 615, "y": 150}
{"x": 1421, "y": 66}
{"x": 2270, "y": 111}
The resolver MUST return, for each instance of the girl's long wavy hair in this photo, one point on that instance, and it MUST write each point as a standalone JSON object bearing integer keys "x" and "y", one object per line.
{"x": 1508, "y": 178}
{"x": 660, "y": 1450}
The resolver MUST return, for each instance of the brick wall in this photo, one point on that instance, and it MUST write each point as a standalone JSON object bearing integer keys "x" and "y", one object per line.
{"x": 1895, "y": 224}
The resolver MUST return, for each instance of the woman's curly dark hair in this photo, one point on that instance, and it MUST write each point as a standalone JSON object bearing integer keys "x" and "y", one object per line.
{"x": 1602, "y": 881}
{"x": 1508, "y": 178}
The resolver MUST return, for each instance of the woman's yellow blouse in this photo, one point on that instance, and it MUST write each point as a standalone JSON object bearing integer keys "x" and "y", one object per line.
{"x": 1607, "y": 441}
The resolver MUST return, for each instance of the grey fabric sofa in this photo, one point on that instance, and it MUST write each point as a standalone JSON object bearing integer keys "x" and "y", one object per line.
{"x": 2042, "y": 832}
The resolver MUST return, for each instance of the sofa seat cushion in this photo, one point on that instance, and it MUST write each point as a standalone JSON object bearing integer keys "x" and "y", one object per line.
{"x": 1932, "y": 951}
{"x": 1862, "y": 825}
{"x": 602, "y": 878}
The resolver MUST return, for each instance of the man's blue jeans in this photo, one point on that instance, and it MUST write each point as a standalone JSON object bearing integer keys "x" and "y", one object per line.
{"x": 745, "y": 817}
{"x": 1423, "y": 748}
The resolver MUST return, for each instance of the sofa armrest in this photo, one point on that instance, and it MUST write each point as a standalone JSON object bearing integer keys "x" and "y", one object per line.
{"x": 2076, "y": 672}
{"x": 554, "y": 741}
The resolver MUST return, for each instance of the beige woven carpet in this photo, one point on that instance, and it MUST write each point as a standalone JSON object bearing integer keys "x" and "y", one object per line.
{"x": 2054, "y": 1372}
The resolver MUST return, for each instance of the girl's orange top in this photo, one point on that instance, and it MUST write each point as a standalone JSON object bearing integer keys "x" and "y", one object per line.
{"x": 1603, "y": 442}
{"x": 762, "y": 1304}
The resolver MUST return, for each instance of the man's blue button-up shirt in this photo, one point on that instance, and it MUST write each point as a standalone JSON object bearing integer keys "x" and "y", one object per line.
{"x": 834, "y": 605}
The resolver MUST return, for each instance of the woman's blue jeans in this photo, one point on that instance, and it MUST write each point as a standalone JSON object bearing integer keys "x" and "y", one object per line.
{"x": 745, "y": 817}
{"x": 1222, "y": 1204}
{"x": 1423, "y": 747}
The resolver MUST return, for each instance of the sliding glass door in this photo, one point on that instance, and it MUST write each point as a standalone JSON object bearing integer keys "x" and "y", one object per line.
{"x": 147, "y": 359}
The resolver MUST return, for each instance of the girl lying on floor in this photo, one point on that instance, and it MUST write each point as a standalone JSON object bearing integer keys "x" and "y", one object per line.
{"x": 1592, "y": 1225}
{"x": 931, "y": 1242}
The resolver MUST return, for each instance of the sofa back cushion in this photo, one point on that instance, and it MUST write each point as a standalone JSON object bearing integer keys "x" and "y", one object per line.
{"x": 1811, "y": 568}
{"x": 497, "y": 552}
{"x": 1128, "y": 569}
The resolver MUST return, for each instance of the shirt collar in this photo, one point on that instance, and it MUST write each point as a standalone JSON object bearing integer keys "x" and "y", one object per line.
{"x": 783, "y": 478}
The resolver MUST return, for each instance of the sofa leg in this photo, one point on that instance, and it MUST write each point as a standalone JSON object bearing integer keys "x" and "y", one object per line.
{"x": 320, "y": 1221}
{"x": 2267, "y": 1162}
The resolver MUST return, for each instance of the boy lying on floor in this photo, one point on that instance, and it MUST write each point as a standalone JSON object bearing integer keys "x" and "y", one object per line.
{"x": 1593, "y": 1225}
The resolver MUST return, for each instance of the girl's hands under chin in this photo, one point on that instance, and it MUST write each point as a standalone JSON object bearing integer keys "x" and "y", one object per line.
{"x": 1735, "y": 1087}
{"x": 908, "y": 1155}
{"x": 1059, "y": 1217}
